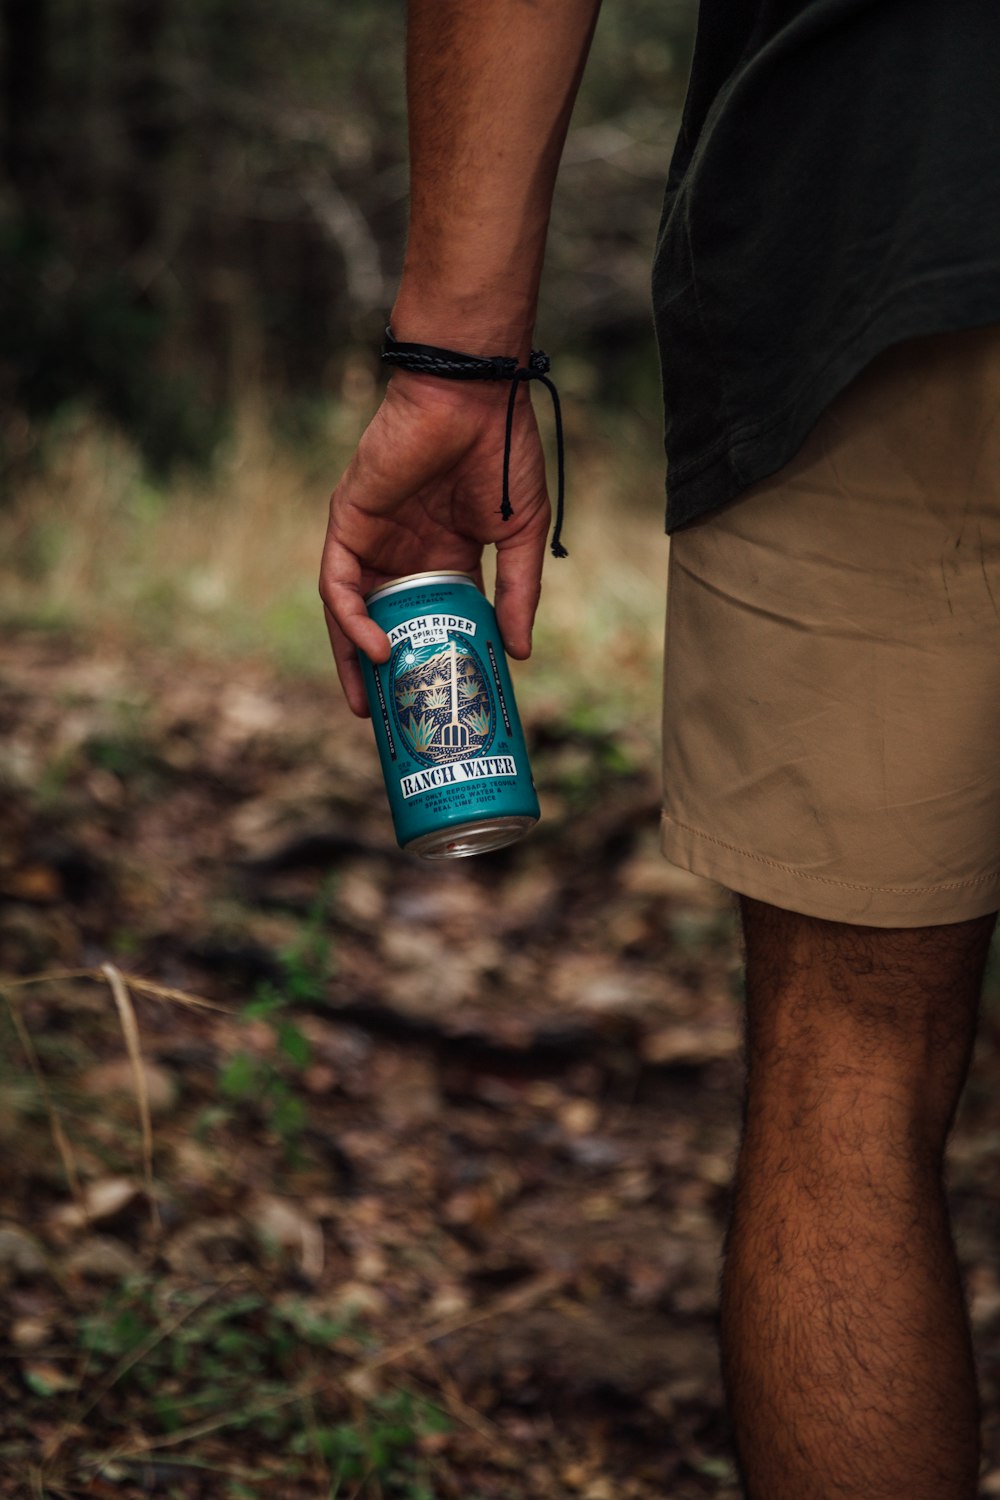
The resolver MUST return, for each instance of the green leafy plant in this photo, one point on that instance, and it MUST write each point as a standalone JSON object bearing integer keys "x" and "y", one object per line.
{"x": 420, "y": 732}
{"x": 479, "y": 722}
{"x": 205, "y": 1362}
{"x": 307, "y": 966}
{"x": 381, "y": 1449}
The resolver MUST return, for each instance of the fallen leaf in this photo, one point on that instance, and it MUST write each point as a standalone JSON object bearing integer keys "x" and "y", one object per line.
{"x": 20, "y": 1253}
{"x": 29, "y": 1333}
{"x": 690, "y": 1045}
{"x": 103, "y": 1199}
{"x": 283, "y": 1223}
{"x": 47, "y": 1379}
{"x": 359, "y": 1299}
{"x": 39, "y": 883}
{"x": 118, "y": 1077}
{"x": 579, "y": 1117}
{"x": 101, "y": 1258}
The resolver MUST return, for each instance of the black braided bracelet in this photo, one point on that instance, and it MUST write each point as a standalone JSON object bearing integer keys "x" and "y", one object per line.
{"x": 450, "y": 364}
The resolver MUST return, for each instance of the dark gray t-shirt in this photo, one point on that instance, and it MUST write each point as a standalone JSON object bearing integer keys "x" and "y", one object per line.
{"x": 835, "y": 188}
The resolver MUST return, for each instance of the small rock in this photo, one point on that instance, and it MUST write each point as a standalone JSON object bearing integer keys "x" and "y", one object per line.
{"x": 193, "y": 1163}
{"x": 649, "y": 874}
{"x": 596, "y": 1151}
{"x": 199, "y": 1249}
{"x": 283, "y": 1223}
{"x": 600, "y": 1208}
{"x": 689, "y": 1046}
{"x": 599, "y": 1489}
{"x": 34, "y": 937}
{"x": 106, "y": 789}
{"x": 20, "y": 1253}
{"x": 715, "y": 1169}
{"x": 476, "y": 1207}
{"x": 370, "y": 1265}
{"x": 447, "y": 1302}
{"x": 361, "y": 897}
{"x": 984, "y": 1295}
{"x": 408, "y": 1094}
{"x": 39, "y": 883}
{"x": 355, "y": 1298}
{"x": 47, "y": 1379}
{"x": 103, "y": 1199}
{"x": 579, "y": 1117}
{"x": 319, "y": 1078}
{"x": 362, "y": 1383}
{"x": 543, "y": 1095}
{"x": 118, "y": 1077}
{"x": 29, "y": 1333}
{"x": 102, "y": 1258}
{"x": 244, "y": 712}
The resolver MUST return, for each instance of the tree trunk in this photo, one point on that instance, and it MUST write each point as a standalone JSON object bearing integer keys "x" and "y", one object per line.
{"x": 25, "y": 79}
{"x": 145, "y": 116}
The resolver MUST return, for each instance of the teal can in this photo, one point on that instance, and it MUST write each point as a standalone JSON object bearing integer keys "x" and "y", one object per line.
{"x": 446, "y": 724}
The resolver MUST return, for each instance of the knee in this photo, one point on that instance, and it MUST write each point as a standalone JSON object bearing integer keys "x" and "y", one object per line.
{"x": 876, "y": 1020}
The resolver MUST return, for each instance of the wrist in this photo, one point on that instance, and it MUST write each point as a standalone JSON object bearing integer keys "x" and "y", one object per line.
{"x": 468, "y": 322}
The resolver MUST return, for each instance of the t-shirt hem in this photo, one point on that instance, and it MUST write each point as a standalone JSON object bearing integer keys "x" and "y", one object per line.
{"x": 755, "y": 450}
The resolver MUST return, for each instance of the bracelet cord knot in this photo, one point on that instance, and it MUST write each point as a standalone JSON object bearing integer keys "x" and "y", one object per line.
{"x": 451, "y": 364}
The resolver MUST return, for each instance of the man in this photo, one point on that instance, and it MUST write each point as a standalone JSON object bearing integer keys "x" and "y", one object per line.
{"x": 826, "y": 276}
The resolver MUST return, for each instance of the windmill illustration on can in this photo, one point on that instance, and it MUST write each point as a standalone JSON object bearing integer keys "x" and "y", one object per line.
{"x": 445, "y": 721}
{"x": 454, "y": 734}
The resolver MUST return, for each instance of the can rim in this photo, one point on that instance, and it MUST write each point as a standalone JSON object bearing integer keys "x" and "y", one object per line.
{"x": 443, "y": 574}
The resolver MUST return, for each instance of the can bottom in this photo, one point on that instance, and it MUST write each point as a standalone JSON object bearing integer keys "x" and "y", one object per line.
{"x": 473, "y": 838}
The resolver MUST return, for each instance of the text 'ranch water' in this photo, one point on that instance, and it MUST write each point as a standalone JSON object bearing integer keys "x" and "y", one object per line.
{"x": 446, "y": 724}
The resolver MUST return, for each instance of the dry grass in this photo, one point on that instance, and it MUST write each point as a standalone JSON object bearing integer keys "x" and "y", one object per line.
{"x": 229, "y": 566}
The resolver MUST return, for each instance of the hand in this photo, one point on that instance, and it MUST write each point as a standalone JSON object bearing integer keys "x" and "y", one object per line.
{"x": 423, "y": 491}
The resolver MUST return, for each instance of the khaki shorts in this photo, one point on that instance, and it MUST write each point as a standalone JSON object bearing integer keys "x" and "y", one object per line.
{"x": 832, "y": 678}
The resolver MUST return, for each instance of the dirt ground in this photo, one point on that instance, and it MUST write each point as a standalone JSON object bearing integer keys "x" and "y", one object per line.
{"x": 435, "y": 1185}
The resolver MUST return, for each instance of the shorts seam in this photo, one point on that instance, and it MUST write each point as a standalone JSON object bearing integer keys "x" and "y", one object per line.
{"x": 850, "y": 885}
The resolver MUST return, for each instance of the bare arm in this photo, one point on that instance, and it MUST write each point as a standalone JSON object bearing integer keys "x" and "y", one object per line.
{"x": 491, "y": 85}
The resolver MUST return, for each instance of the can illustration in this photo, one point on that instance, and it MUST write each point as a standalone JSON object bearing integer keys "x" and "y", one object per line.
{"x": 446, "y": 724}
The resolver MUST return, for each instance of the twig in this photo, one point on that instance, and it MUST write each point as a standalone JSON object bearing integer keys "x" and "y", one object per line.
{"x": 133, "y": 1045}
{"x": 181, "y": 1462}
{"x": 513, "y": 1301}
{"x": 134, "y": 981}
{"x": 164, "y": 992}
{"x": 361, "y": 1421}
{"x": 355, "y": 1493}
{"x": 455, "y": 1406}
{"x": 13, "y": 982}
{"x": 211, "y": 1424}
{"x": 144, "y": 1347}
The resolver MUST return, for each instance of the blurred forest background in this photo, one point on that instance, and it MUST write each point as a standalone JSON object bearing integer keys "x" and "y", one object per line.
{"x": 202, "y": 198}
{"x": 327, "y": 1172}
{"x": 202, "y": 213}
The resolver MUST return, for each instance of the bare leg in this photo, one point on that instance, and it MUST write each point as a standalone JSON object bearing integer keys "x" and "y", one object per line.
{"x": 845, "y": 1340}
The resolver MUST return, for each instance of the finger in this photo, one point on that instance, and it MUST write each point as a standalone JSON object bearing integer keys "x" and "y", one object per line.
{"x": 340, "y": 590}
{"x": 519, "y": 586}
{"x": 348, "y": 668}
